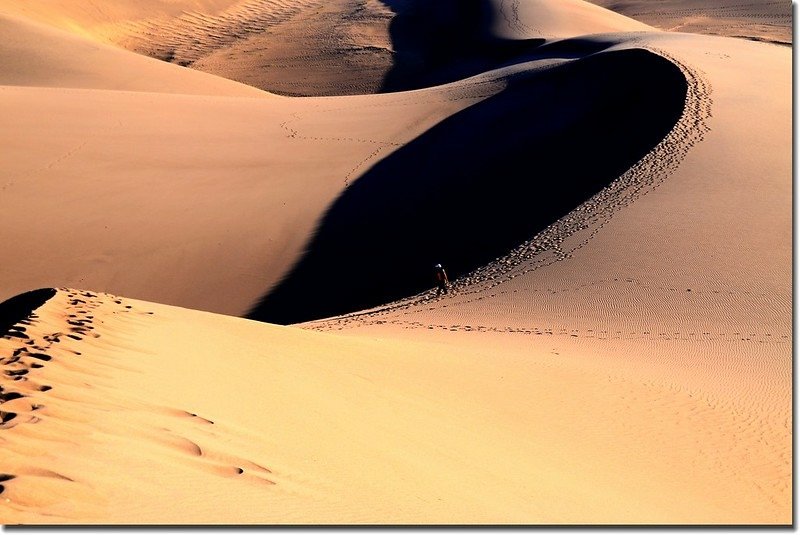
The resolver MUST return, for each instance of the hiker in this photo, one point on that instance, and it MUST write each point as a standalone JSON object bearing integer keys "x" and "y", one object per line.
{"x": 441, "y": 279}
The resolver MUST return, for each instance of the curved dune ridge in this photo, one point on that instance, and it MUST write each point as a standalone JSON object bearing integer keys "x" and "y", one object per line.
{"x": 310, "y": 47}
{"x": 616, "y": 343}
{"x": 482, "y": 181}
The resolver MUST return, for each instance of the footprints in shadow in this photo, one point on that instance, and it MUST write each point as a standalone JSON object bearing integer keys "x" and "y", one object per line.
{"x": 3, "y": 479}
{"x": 16, "y": 386}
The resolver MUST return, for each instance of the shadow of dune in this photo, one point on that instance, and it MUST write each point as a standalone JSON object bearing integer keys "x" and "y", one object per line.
{"x": 19, "y": 308}
{"x": 443, "y": 41}
{"x": 481, "y": 182}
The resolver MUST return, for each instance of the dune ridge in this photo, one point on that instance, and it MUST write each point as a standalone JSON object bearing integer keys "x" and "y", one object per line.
{"x": 617, "y": 355}
{"x": 444, "y": 176}
{"x": 553, "y": 244}
{"x": 109, "y": 364}
{"x": 367, "y": 46}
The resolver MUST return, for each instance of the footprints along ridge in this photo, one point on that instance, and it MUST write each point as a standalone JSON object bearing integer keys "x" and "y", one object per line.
{"x": 64, "y": 336}
{"x": 33, "y": 342}
{"x": 562, "y": 239}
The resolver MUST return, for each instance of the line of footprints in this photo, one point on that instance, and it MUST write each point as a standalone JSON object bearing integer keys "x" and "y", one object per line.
{"x": 18, "y": 389}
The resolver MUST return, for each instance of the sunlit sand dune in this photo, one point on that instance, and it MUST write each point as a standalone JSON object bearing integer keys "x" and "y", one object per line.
{"x": 33, "y": 54}
{"x": 123, "y": 411}
{"x": 612, "y": 203}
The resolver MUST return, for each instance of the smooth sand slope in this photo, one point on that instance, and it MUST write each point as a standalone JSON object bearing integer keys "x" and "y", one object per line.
{"x": 293, "y": 47}
{"x": 122, "y": 411}
{"x": 33, "y": 54}
{"x": 760, "y": 20}
{"x": 161, "y": 195}
{"x": 629, "y": 360}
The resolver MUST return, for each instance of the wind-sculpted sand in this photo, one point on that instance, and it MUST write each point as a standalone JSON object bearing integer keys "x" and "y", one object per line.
{"x": 612, "y": 203}
{"x": 761, "y": 20}
{"x": 478, "y": 427}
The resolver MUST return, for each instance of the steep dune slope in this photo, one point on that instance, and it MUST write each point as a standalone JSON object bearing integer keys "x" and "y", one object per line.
{"x": 162, "y": 194}
{"x": 484, "y": 180}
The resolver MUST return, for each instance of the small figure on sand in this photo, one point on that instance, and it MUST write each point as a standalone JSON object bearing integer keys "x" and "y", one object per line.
{"x": 441, "y": 279}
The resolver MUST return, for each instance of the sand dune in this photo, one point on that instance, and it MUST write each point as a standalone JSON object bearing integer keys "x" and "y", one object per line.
{"x": 496, "y": 188}
{"x": 354, "y": 429}
{"x": 160, "y": 194}
{"x": 612, "y": 203}
{"x": 761, "y": 20}
{"x": 292, "y": 47}
{"x": 33, "y": 54}
{"x": 309, "y": 47}
{"x": 191, "y": 156}
{"x": 675, "y": 277}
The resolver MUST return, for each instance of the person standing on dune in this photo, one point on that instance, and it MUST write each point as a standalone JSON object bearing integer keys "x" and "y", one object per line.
{"x": 441, "y": 279}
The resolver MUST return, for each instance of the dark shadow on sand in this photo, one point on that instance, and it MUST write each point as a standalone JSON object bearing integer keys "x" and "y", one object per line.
{"x": 481, "y": 182}
{"x": 19, "y": 308}
{"x": 437, "y": 42}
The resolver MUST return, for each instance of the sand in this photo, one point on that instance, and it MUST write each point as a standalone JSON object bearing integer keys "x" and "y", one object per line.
{"x": 612, "y": 203}
{"x": 761, "y": 20}
{"x": 329, "y": 429}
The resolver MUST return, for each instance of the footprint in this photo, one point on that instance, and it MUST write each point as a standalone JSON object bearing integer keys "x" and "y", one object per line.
{"x": 3, "y": 479}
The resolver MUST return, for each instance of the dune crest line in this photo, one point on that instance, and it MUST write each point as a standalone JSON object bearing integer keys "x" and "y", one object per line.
{"x": 417, "y": 206}
{"x": 552, "y": 244}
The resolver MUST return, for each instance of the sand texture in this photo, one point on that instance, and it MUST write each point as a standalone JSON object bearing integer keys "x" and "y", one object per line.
{"x": 612, "y": 202}
{"x": 760, "y": 20}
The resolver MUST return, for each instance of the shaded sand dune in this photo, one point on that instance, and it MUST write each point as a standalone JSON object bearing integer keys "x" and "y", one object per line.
{"x": 482, "y": 181}
{"x": 761, "y": 20}
{"x": 439, "y": 42}
{"x": 162, "y": 194}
